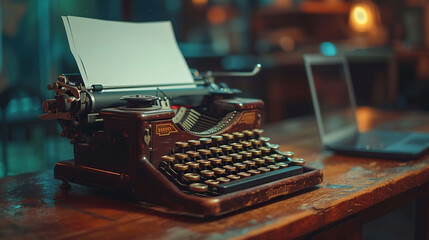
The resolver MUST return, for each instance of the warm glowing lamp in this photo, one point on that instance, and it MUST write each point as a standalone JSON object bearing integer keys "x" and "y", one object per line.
{"x": 364, "y": 21}
{"x": 364, "y": 17}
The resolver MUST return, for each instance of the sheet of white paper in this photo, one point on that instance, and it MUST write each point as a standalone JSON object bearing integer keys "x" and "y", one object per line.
{"x": 126, "y": 54}
{"x": 72, "y": 48}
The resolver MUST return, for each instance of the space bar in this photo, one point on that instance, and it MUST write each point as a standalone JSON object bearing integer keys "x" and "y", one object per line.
{"x": 259, "y": 179}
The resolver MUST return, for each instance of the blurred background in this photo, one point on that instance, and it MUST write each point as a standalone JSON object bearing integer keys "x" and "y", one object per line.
{"x": 385, "y": 41}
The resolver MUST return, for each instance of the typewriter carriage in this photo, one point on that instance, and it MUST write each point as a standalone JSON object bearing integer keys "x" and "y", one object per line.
{"x": 77, "y": 107}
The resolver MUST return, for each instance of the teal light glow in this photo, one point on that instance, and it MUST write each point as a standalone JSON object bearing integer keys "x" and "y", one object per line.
{"x": 328, "y": 49}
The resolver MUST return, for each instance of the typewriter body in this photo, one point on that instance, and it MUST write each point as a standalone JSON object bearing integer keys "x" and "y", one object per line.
{"x": 196, "y": 150}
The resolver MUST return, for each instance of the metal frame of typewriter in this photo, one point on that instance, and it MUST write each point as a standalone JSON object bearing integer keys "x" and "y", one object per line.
{"x": 119, "y": 148}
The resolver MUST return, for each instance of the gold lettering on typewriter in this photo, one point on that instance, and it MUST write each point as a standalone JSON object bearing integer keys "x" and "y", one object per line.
{"x": 248, "y": 118}
{"x": 277, "y": 191}
{"x": 165, "y": 129}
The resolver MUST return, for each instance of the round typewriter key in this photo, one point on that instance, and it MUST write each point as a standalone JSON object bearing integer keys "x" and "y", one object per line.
{"x": 207, "y": 173}
{"x": 181, "y": 144}
{"x": 249, "y": 163}
{"x": 245, "y": 144}
{"x": 205, "y": 140}
{"x": 198, "y": 187}
{"x": 264, "y": 140}
{"x": 282, "y": 164}
{"x": 233, "y": 177}
{"x": 194, "y": 142}
{"x": 274, "y": 147}
{"x": 212, "y": 183}
{"x": 255, "y": 142}
{"x": 193, "y": 154}
{"x": 180, "y": 167}
{"x": 277, "y": 157}
{"x": 237, "y": 146}
{"x": 256, "y": 152}
{"x": 244, "y": 174}
{"x": 218, "y": 171}
{"x": 167, "y": 158}
{"x": 193, "y": 165}
{"x": 227, "y": 136}
{"x": 239, "y": 166}
{"x": 203, "y": 163}
{"x": 264, "y": 169}
{"x": 217, "y": 138}
{"x": 223, "y": 179}
{"x": 259, "y": 161}
{"x": 238, "y": 135}
{"x": 229, "y": 168}
{"x": 298, "y": 161}
{"x": 269, "y": 159}
{"x": 248, "y": 133}
{"x": 203, "y": 152}
{"x": 264, "y": 150}
{"x": 226, "y": 148}
{"x": 236, "y": 157}
{"x": 288, "y": 154}
{"x": 273, "y": 167}
{"x": 192, "y": 177}
{"x": 181, "y": 156}
{"x": 215, "y": 161}
{"x": 215, "y": 150}
{"x": 226, "y": 159}
{"x": 254, "y": 172}
{"x": 245, "y": 154}
{"x": 258, "y": 132}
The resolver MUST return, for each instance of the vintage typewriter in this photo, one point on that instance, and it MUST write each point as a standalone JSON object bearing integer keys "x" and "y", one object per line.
{"x": 197, "y": 150}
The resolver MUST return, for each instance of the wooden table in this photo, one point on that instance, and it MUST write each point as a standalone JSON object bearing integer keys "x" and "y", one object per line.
{"x": 354, "y": 191}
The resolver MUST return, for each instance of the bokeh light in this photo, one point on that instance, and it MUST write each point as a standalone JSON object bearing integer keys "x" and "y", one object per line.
{"x": 216, "y": 15}
{"x": 328, "y": 49}
{"x": 199, "y": 2}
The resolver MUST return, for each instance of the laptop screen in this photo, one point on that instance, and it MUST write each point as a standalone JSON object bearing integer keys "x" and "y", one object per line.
{"x": 332, "y": 99}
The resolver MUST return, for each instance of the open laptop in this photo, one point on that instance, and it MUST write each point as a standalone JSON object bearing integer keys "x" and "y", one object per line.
{"x": 335, "y": 108}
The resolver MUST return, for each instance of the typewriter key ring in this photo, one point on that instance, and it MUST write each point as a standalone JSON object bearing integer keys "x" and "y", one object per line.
{"x": 198, "y": 187}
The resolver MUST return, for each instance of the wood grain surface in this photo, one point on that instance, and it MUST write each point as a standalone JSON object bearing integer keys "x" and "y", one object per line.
{"x": 33, "y": 207}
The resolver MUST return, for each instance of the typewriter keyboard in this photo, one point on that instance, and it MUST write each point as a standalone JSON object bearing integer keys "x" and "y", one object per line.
{"x": 227, "y": 163}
